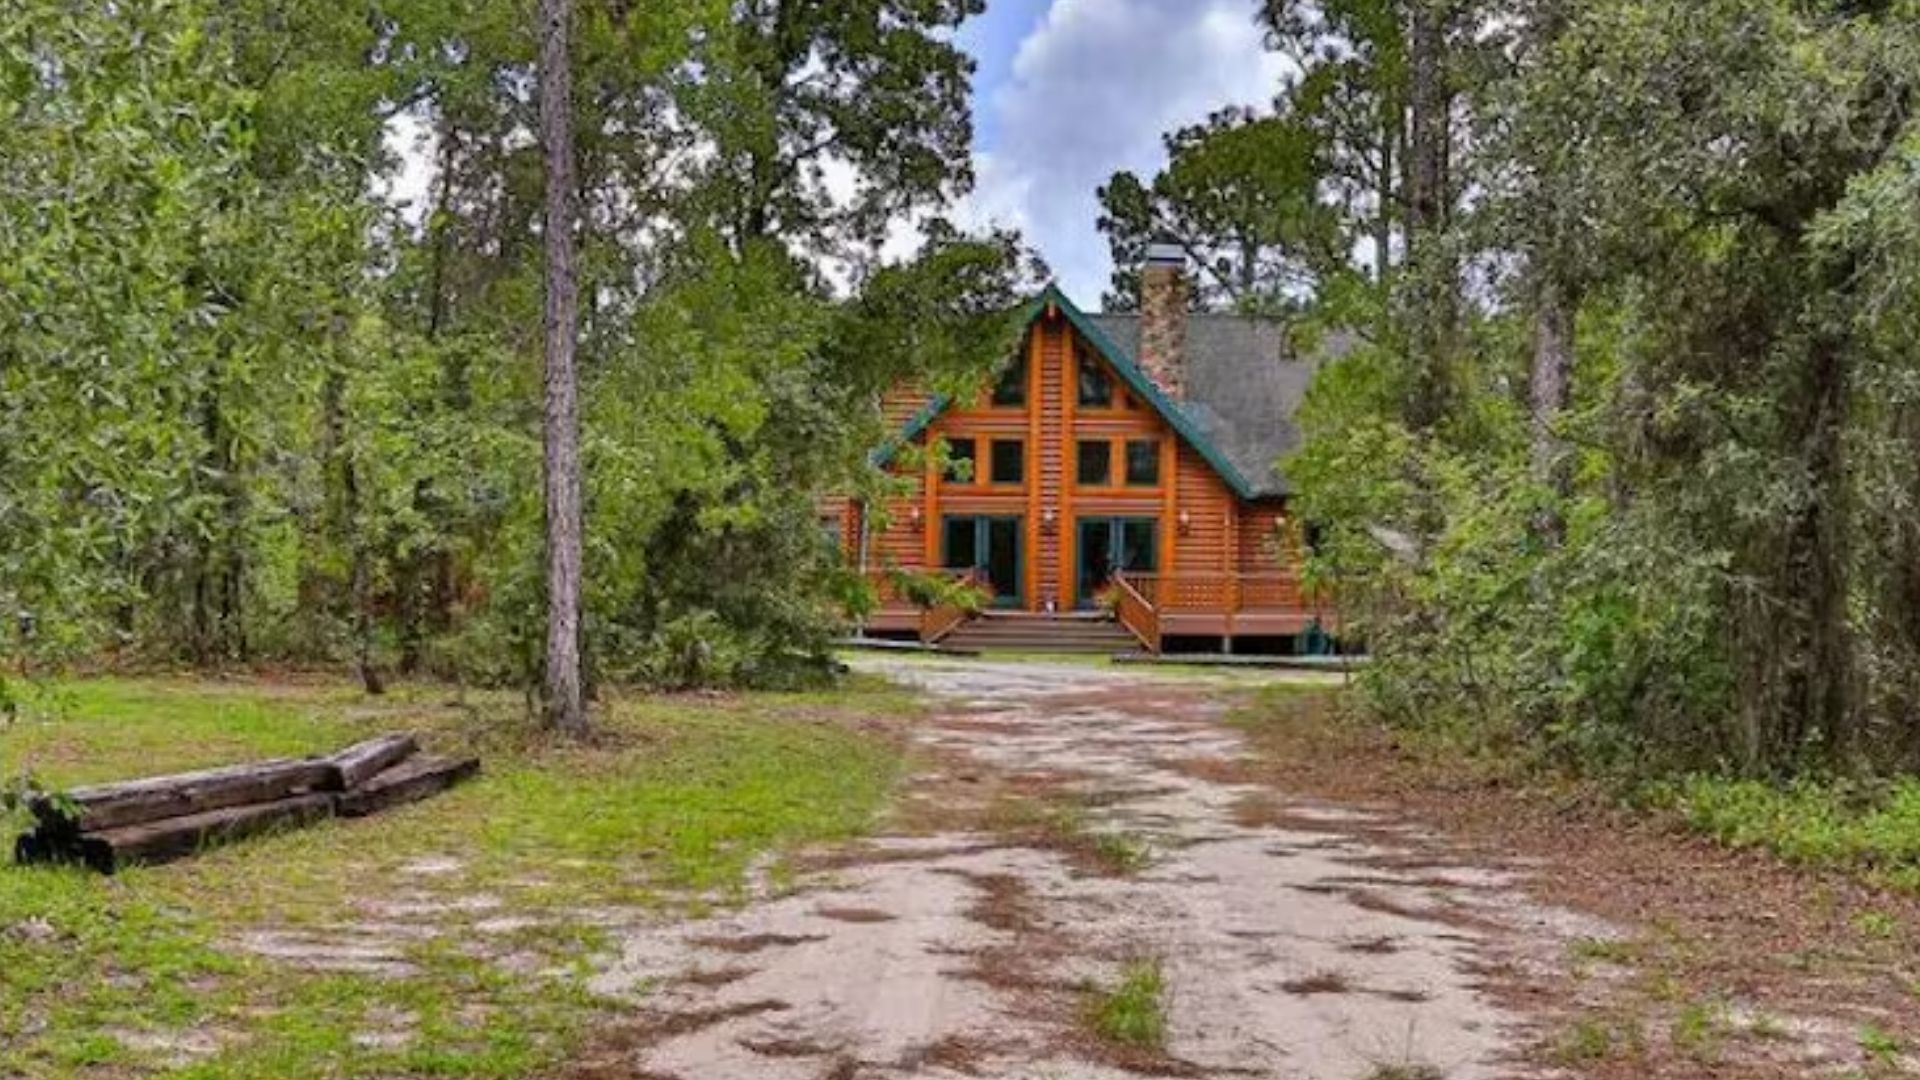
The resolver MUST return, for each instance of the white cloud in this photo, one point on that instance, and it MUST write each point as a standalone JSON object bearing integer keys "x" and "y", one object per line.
{"x": 1093, "y": 88}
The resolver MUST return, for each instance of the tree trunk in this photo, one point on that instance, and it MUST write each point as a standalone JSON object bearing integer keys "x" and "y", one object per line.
{"x": 1433, "y": 302}
{"x": 1429, "y": 210}
{"x": 347, "y": 528}
{"x": 1830, "y": 696}
{"x": 361, "y": 587}
{"x": 1551, "y": 390}
{"x": 564, "y": 705}
{"x": 1431, "y": 150}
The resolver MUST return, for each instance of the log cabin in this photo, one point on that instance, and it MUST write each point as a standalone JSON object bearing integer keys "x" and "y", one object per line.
{"x": 1115, "y": 485}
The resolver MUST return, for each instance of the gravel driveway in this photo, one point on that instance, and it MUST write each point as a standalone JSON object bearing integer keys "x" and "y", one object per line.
{"x": 1298, "y": 939}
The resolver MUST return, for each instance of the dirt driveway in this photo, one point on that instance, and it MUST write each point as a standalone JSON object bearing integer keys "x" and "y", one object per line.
{"x": 1078, "y": 822}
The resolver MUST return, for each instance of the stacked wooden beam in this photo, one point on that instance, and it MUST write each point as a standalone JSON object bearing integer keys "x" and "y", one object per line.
{"x": 167, "y": 817}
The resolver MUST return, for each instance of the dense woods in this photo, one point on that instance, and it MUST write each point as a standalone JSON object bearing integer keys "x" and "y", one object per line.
{"x": 1624, "y": 467}
{"x": 255, "y": 407}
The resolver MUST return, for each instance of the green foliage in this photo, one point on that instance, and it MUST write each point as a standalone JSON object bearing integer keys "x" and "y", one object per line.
{"x": 1714, "y": 570}
{"x": 254, "y": 411}
{"x": 125, "y": 134}
{"x": 1133, "y": 1011}
{"x": 1242, "y": 197}
{"x": 1872, "y": 829}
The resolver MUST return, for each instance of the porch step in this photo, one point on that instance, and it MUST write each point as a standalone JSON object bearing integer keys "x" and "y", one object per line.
{"x": 1041, "y": 633}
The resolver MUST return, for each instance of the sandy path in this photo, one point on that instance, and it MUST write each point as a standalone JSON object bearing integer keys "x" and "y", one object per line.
{"x": 1317, "y": 942}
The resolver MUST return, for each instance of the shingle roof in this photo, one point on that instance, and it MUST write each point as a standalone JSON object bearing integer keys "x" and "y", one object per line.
{"x": 1245, "y": 383}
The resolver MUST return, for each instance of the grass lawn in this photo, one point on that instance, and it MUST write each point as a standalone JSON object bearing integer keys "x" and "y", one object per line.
{"x": 459, "y": 930}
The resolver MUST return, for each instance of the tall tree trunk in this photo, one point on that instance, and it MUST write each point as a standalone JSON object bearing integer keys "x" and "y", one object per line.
{"x": 347, "y": 528}
{"x": 1825, "y": 539}
{"x": 1555, "y": 314}
{"x": 1550, "y": 392}
{"x": 565, "y": 705}
{"x": 1434, "y": 304}
{"x": 361, "y": 586}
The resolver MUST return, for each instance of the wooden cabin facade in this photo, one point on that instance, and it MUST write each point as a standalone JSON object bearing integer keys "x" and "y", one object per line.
{"x": 1107, "y": 473}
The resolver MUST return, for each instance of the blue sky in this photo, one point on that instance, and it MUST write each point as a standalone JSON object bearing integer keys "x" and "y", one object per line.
{"x": 1069, "y": 91}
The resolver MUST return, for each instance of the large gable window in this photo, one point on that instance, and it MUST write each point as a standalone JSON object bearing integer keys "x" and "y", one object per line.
{"x": 1011, "y": 391}
{"x": 1096, "y": 387}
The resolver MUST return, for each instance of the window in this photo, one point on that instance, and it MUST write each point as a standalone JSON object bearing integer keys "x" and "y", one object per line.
{"x": 1096, "y": 464}
{"x": 963, "y": 457}
{"x": 1009, "y": 461}
{"x": 1011, "y": 390}
{"x": 1143, "y": 463}
{"x": 1096, "y": 389}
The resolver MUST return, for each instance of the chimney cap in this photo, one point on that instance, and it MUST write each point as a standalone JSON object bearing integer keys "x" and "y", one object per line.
{"x": 1166, "y": 253}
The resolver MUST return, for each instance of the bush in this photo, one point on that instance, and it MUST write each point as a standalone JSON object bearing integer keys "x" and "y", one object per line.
{"x": 1833, "y": 825}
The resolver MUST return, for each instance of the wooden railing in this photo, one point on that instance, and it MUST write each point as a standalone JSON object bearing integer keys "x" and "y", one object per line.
{"x": 938, "y": 622}
{"x": 1136, "y": 613}
{"x": 1231, "y": 594}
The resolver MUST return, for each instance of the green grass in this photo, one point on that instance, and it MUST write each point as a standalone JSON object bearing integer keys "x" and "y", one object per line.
{"x": 670, "y": 810}
{"x": 1700, "y": 1029}
{"x": 1875, "y": 834}
{"x": 1133, "y": 1011}
{"x": 1615, "y": 951}
{"x": 1881, "y": 1047}
{"x": 1412, "y": 1071}
{"x": 1598, "y": 1038}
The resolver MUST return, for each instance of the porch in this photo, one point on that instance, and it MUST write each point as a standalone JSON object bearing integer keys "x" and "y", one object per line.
{"x": 1157, "y": 608}
{"x": 1153, "y": 608}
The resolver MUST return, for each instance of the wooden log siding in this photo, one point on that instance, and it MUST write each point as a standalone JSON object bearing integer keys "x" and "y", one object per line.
{"x": 1050, "y": 434}
{"x": 1261, "y": 540}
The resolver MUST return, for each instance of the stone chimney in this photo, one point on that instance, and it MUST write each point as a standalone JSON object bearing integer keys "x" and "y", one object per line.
{"x": 1165, "y": 295}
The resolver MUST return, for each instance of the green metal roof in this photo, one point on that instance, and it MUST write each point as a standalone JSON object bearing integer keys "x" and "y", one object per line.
{"x": 1136, "y": 380}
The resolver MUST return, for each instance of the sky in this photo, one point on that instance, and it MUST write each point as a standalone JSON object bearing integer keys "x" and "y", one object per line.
{"x": 1070, "y": 91}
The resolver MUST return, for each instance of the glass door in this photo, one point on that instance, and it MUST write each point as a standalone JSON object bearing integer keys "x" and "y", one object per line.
{"x": 1111, "y": 545}
{"x": 990, "y": 547}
